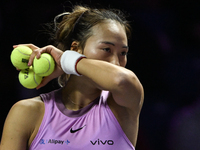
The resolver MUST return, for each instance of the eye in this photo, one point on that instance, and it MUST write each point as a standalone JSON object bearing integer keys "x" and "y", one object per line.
{"x": 106, "y": 49}
{"x": 124, "y": 53}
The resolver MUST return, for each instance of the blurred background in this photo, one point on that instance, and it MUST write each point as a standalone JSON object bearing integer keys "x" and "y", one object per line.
{"x": 164, "y": 54}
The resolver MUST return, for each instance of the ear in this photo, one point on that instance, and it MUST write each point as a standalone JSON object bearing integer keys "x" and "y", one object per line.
{"x": 75, "y": 47}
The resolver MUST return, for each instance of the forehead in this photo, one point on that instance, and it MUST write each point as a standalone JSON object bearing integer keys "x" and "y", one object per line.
{"x": 109, "y": 30}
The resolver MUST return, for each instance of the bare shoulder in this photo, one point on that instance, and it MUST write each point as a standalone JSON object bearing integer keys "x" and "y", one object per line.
{"x": 32, "y": 103}
{"x": 26, "y": 112}
{"x": 30, "y": 111}
{"x": 28, "y": 107}
{"x": 22, "y": 120}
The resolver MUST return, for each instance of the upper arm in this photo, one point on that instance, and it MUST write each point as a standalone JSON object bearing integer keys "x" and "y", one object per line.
{"x": 126, "y": 102}
{"x": 129, "y": 92}
{"x": 19, "y": 125}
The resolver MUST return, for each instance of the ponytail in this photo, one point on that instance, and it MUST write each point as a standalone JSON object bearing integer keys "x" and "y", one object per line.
{"x": 65, "y": 29}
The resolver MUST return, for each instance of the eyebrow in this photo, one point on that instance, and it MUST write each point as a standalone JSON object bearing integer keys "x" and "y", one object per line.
{"x": 106, "y": 42}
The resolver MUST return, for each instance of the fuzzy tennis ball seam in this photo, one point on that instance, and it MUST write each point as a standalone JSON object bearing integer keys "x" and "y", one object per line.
{"x": 44, "y": 66}
{"x": 20, "y": 57}
{"x": 34, "y": 77}
{"x": 23, "y": 53}
{"x": 41, "y": 74}
{"x": 29, "y": 79}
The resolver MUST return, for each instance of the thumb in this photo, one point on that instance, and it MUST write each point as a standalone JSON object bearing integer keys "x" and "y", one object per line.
{"x": 45, "y": 80}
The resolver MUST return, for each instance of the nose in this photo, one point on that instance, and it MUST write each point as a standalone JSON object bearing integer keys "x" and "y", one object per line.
{"x": 114, "y": 60}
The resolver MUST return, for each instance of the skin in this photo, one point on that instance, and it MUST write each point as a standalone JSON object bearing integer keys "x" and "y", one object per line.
{"x": 103, "y": 69}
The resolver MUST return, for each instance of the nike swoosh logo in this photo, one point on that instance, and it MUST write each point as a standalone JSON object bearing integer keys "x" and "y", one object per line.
{"x": 73, "y": 131}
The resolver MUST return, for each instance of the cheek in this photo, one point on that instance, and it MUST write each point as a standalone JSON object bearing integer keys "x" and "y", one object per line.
{"x": 93, "y": 53}
{"x": 123, "y": 62}
{"x": 90, "y": 53}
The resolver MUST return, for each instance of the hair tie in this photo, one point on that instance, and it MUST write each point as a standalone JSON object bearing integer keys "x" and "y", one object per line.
{"x": 77, "y": 21}
{"x": 57, "y": 17}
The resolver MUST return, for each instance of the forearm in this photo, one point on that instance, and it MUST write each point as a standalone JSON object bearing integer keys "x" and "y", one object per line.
{"x": 124, "y": 85}
{"x": 106, "y": 75}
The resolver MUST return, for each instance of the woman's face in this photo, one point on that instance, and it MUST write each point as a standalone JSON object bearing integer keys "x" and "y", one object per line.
{"x": 108, "y": 43}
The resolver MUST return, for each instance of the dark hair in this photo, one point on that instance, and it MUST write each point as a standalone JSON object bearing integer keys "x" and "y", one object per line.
{"x": 77, "y": 26}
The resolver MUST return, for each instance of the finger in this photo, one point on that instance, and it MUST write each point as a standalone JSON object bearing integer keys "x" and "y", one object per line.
{"x": 53, "y": 51}
{"x": 35, "y": 53}
{"x": 45, "y": 80}
{"x": 32, "y": 46}
{"x": 57, "y": 72}
{"x": 39, "y": 51}
{"x": 47, "y": 49}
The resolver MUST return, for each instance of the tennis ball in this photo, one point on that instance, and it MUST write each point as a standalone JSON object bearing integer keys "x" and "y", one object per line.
{"x": 44, "y": 66}
{"x": 20, "y": 57}
{"x": 29, "y": 79}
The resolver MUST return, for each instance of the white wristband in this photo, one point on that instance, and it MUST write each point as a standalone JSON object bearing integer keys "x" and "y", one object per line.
{"x": 69, "y": 60}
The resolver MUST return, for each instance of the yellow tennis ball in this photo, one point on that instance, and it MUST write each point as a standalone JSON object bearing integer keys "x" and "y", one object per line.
{"x": 29, "y": 79}
{"x": 20, "y": 57}
{"x": 44, "y": 66}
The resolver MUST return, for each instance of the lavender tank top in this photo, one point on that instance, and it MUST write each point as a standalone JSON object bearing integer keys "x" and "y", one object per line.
{"x": 93, "y": 127}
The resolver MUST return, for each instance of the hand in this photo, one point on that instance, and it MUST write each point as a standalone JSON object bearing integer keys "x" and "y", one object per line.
{"x": 54, "y": 52}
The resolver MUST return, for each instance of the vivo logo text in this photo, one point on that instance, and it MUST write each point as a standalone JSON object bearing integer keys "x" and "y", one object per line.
{"x": 102, "y": 142}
